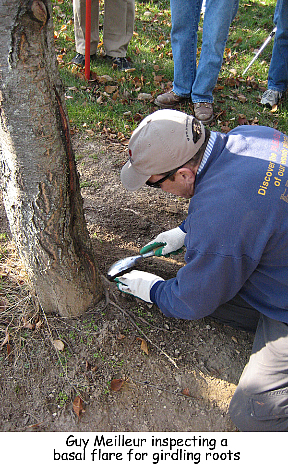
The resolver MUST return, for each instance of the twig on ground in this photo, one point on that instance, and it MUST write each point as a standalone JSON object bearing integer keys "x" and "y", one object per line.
{"x": 135, "y": 317}
{"x": 136, "y": 326}
{"x": 145, "y": 336}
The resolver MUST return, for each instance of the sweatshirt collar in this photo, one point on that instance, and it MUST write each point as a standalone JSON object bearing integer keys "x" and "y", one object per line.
{"x": 208, "y": 151}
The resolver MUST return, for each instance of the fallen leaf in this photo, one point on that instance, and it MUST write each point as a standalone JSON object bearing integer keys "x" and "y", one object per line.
{"x": 58, "y": 344}
{"x": 144, "y": 346}
{"x": 231, "y": 81}
{"x": 242, "y": 119}
{"x": 121, "y": 136}
{"x": 27, "y": 324}
{"x": 78, "y": 406}
{"x": 116, "y": 384}
{"x": 6, "y": 339}
{"x": 225, "y": 129}
{"x": 32, "y": 426}
{"x": 104, "y": 78}
{"x": 255, "y": 121}
{"x": 242, "y": 98}
{"x": 120, "y": 336}
{"x": 274, "y": 108}
{"x": 239, "y": 40}
{"x": 144, "y": 97}
{"x": 93, "y": 76}
{"x": 115, "y": 95}
{"x": 110, "y": 89}
{"x": 39, "y": 324}
{"x": 186, "y": 392}
{"x": 228, "y": 53}
{"x": 138, "y": 117}
{"x": 158, "y": 78}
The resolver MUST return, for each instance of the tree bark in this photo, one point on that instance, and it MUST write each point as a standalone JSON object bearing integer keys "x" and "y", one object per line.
{"x": 40, "y": 183}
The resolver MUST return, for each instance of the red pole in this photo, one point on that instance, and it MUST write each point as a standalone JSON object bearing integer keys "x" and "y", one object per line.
{"x": 87, "y": 39}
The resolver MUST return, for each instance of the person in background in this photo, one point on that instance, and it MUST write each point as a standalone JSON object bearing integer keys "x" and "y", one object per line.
{"x": 278, "y": 70}
{"x": 236, "y": 240}
{"x": 117, "y": 31}
{"x": 190, "y": 81}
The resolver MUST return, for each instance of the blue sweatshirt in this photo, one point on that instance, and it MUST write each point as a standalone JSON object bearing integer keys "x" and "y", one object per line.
{"x": 237, "y": 230}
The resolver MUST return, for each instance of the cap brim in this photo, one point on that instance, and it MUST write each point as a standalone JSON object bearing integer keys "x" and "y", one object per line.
{"x": 131, "y": 179}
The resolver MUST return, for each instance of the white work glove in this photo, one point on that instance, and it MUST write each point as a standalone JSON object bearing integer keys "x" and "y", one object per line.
{"x": 167, "y": 242}
{"x": 138, "y": 283}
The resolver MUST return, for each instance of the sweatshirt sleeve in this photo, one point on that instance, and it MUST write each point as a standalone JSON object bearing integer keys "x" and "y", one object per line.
{"x": 206, "y": 282}
{"x": 182, "y": 226}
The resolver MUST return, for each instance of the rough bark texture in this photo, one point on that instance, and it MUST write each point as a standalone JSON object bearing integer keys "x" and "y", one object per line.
{"x": 40, "y": 183}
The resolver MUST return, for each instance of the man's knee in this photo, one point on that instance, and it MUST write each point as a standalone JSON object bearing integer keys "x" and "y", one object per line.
{"x": 263, "y": 412}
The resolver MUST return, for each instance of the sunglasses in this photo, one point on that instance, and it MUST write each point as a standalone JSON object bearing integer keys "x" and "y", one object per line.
{"x": 160, "y": 181}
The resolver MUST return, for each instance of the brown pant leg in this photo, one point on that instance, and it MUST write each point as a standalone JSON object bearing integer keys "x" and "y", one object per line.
{"x": 118, "y": 26}
{"x": 79, "y": 11}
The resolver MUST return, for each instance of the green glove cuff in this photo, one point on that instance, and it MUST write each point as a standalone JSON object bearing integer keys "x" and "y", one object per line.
{"x": 158, "y": 252}
{"x": 176, "y": 252}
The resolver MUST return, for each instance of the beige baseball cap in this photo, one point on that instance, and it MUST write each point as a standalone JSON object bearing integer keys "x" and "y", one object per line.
{"x": 163, "y": 141}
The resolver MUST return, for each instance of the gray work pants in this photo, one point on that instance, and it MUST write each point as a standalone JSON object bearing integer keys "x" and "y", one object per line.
{"x": 118, "y": 26}
{"x": 260, "y": 402}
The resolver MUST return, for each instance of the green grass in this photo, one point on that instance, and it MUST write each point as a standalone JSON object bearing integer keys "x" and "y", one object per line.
{"x": 94, "y": 107}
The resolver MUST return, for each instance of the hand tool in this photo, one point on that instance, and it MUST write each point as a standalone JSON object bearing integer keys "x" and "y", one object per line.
{"x": 125, "y": 264}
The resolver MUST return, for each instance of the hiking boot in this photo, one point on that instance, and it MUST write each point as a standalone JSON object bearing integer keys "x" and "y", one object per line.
{"x": 271, "y": 97}
{"x": 79, "y": 59}
{"x": 121, "y": 62}
{"x": 203, "y": 111}
{"x": 169, "y": 100}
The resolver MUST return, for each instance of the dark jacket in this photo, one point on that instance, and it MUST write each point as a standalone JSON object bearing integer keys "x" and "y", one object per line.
{"x": 237, "y": 230}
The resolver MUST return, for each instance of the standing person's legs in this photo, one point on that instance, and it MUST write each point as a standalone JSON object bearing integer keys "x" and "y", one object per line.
{"x": 278, "y": 70}
{"x": 185, "y": 16}
{"x": 79, "y": 11}
{"x": 217, "y": 19}
{"x": 118, "y": 26}
{"x": 260, "y": 402}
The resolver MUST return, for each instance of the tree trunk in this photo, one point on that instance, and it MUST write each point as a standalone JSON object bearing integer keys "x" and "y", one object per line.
{"x": 40, "y": 183}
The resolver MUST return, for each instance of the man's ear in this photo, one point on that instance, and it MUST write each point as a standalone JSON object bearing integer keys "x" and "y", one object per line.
{"x": 186, "y": 174}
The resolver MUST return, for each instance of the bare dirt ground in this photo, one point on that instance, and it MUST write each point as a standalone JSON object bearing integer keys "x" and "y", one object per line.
{"x": 184, "y": 382}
